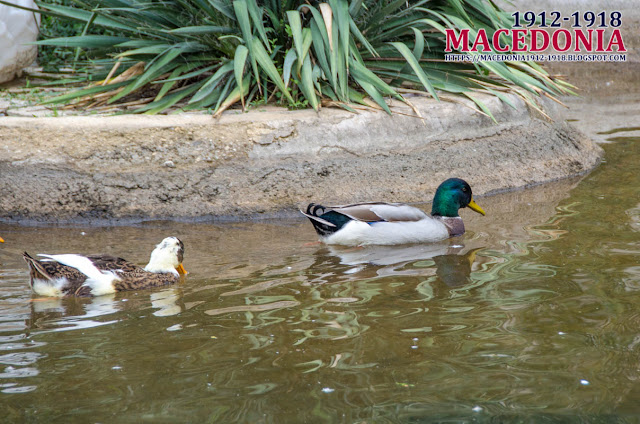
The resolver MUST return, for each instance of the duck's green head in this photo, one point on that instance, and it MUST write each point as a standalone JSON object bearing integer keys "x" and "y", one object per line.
{"x": 452, "y": 195}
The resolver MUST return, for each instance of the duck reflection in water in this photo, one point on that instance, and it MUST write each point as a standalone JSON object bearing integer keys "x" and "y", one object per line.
{"x": 452, "y": 261}
{"x": 69, "y": 313}
{"x": 454, "y": 270}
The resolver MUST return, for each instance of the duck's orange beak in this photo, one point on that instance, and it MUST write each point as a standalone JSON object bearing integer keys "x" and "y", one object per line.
{"x": 1, "y": 240}
{"x": 181, "y": 270}
{"x": 475, "y": 207}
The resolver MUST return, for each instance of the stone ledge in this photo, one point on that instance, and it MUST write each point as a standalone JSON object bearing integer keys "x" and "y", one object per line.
{"x": 272, "y": 161}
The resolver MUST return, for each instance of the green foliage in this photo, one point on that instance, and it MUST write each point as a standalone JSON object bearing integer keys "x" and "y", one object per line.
{"x": 54, "y": 57}
{"x": 216, "y": 53}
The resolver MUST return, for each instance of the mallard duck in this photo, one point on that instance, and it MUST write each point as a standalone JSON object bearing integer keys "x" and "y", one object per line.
{"x": 95, "y": 275}
{"x": 394, "y": 223}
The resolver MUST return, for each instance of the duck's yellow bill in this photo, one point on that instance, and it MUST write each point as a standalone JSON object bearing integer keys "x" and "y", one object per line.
{"x": 475, "y": 207}
{"x": 1, "y": 240}
{"x": 181, "y": 270}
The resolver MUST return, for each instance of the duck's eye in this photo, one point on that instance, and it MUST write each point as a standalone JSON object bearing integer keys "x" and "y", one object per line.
{"x": 464, "y": 189}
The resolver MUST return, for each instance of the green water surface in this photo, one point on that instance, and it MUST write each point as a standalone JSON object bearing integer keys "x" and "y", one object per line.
{"x": 532, "y": 316}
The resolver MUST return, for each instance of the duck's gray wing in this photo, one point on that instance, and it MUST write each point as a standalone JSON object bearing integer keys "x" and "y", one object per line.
{"x": 375, "y": 212}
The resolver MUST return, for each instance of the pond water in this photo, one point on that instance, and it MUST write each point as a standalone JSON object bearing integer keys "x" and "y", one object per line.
{"x": 533, "y": 315}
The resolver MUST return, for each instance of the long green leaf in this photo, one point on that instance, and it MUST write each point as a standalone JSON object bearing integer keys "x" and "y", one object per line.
{"x": 502, "y": 97}
{"x": 316, "y": 76}
{"x": 212, "y": 82}
{"x": 239, "y": 61}
{"x": 356, "y": 31}
{"x": 145, "y": 51}
{"x": 85, "y": 41}
{"x": 242, "y": 15}
{"x": 373, "y": 92}
{"x": 319, "y": 48}
{"x": 161, "y": 104}
{"x": 80, "y": 15}
{"x": 339, "y": 69}
{"x": 431, "y": 23}
{"x": 341, "y": 12}
{"x": 307, "y": 39}
{"x": 481, "y": 105}
{"x": 136, "y": 44}
{"x": 459, "y": 7}
{"x": 296, "y": 32}
{"x": 355, "y": 7}
{"x": 203, "y": 29}
{"x": 307, "y": 85}
{"x": 170, "y": 84}
{"x": 366, "y": 75}
{"x": 262, "y": 57}
{"x": 323, "y": 22}
{"x": 289, "y": 59}
{"x": 223, "y": 7}
{"x": 413, "y": 62}
{"x": 85, "y": 92}
{"x": 188, "y": 67}
{"x": 418, "y": 47}
{"x": 256, "y": 16}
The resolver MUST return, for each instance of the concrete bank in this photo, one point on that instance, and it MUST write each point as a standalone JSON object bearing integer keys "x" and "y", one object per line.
{"x": 272, "y": 161}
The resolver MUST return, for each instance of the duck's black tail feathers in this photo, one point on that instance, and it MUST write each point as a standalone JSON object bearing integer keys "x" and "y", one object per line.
{"x": 325, "y": 220}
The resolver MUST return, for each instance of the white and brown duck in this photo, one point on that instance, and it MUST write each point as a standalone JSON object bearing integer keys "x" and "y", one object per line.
{"x": 96, "y": 275}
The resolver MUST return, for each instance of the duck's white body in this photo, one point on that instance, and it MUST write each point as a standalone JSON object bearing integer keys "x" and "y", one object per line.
{"x": 100, "y": 282}
{"x": 358, "y": 233}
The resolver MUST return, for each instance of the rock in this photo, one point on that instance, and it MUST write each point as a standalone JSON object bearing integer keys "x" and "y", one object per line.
{"x": 17, "y": 28}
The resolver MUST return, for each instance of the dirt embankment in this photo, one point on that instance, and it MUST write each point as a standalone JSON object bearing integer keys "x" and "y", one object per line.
{"x": 272, "y": 161}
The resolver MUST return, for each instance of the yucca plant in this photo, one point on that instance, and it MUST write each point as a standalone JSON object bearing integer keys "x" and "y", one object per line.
{"x": 216, "y": 53}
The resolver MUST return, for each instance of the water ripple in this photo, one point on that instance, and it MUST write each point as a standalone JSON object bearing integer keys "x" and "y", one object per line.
{"x": 270, "y": 327}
